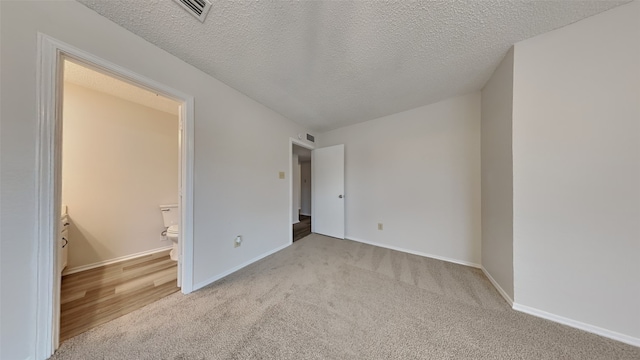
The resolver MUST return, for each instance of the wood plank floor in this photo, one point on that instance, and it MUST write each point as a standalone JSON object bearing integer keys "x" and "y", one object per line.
{"x": 303, "y": 228}
{"x": 93, "y": 297}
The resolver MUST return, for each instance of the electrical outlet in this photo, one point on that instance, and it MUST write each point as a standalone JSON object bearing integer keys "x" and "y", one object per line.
{"x": 281, "y": 174}
{"x": 379, "y": 226}
{"x": 237, "y": 241}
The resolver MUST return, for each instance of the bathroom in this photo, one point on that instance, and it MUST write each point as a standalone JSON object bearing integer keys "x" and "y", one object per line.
{"x": 120, "y": 181}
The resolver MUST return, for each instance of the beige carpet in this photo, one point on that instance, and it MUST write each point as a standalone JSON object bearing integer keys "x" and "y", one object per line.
{"x": 323, "y": 298}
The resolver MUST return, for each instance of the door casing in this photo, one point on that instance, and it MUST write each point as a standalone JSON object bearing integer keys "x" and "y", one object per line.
{"x": 50, "y": 54}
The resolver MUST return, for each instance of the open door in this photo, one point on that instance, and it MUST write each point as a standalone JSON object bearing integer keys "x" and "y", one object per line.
{"x": 328, "y": 191}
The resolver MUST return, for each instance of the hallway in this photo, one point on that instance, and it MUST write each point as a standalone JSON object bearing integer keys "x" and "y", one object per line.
{"x": 303, "y": 228}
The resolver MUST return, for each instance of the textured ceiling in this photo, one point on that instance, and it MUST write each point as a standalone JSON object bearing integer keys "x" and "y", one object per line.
{"x": 327, "y": 64}
{"x": 91, "y": 79}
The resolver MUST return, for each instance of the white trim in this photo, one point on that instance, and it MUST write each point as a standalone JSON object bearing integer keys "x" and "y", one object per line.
{"x": 309, "y": 215}
{"x": 293, "y": 141}
{"x": 78, "y": 269}
{"x": 213, "y": 279}
{"x": 578, "y": 325}
{"x": 47, "y": 300}
{"x": 187, "y": 151}
{"x": 49, "y": 53}
{"x": 497, "y": 286}
{"x": 396, "y": 248}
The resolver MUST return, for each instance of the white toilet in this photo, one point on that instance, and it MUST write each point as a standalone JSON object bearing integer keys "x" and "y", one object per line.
{"x": 171, "y": 218}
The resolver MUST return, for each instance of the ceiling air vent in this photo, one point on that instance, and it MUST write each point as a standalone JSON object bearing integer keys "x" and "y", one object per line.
{"x": 197, "y": 8}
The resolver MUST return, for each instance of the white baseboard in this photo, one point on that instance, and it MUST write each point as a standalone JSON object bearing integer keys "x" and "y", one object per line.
{"x": 578, "y": 325}
{"x": 305, "y": 214}
{"x": 77, "y": 269}
{"x": 213, "y": 279}
{"x": 438, "y": 257}
{"x": 295, "y": 222}
{"x": 497, "y": 286}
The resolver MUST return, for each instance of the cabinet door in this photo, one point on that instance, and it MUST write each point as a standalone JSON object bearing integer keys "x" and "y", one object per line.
{"x": 63, "y": 249}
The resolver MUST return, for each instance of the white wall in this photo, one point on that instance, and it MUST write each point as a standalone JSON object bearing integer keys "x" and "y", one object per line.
{"x": 119, "y": 162}
{"x": 497, "y": 176}
{"x": 295, "y": 180}
{"x": 418, "y": 173}
{"x": 305, "y": 191}
{"x": 576, "y": 172}
{"x": 240, "y": 146}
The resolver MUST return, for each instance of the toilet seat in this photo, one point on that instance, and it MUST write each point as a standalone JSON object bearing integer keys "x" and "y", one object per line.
{"x": 172, "y": 230}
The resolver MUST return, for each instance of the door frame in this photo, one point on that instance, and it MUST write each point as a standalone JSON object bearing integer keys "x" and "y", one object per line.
{"x": 292, "y": 142}
{"x": 49, "y": 82}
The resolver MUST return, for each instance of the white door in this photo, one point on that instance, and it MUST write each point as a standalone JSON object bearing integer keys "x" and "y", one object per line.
{"x": 328, "y": 191}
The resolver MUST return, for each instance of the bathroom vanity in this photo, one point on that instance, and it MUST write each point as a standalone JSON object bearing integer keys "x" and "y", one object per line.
{"x": 63, "y": 240}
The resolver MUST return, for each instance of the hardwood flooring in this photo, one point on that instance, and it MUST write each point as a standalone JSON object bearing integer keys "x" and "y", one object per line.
{"x": 303, "y": 228}
{"x": 94, "y": 297}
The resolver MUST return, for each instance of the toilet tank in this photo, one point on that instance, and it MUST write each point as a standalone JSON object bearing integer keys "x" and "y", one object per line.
{"x": 170, "y": 214}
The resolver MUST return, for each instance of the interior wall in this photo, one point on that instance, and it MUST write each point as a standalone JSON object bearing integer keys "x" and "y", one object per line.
{"x": 240, "y": 146}
{"x": 119, "y": 163}
{"x": 497, "y": 176}
{"x": 576, "y": 172}
{"x": 305, "y": 192}
{"x": 295, "y": 198}
{"x": 417, "y": 173}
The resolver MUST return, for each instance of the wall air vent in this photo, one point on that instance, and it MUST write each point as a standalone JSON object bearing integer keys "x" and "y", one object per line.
{"x": 311, "y": 138}
{"x": 197, "y": 8}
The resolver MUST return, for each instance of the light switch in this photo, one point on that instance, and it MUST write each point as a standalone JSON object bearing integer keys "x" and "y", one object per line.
{"x": 281, "y": 175}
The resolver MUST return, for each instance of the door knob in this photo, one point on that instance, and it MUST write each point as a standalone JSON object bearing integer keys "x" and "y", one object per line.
{"x": 340, "y": 196}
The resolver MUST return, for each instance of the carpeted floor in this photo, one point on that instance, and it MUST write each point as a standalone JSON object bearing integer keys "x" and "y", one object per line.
{"x": 324, "y": 298}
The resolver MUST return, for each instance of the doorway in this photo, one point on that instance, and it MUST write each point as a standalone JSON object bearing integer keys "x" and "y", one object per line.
{"x": 300, "y": 194}
{"x": 301, "y": 178}
{"x": 51, "y": 55}
{"x": 326, "y": 197}
{"x": 119, "y": 163}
